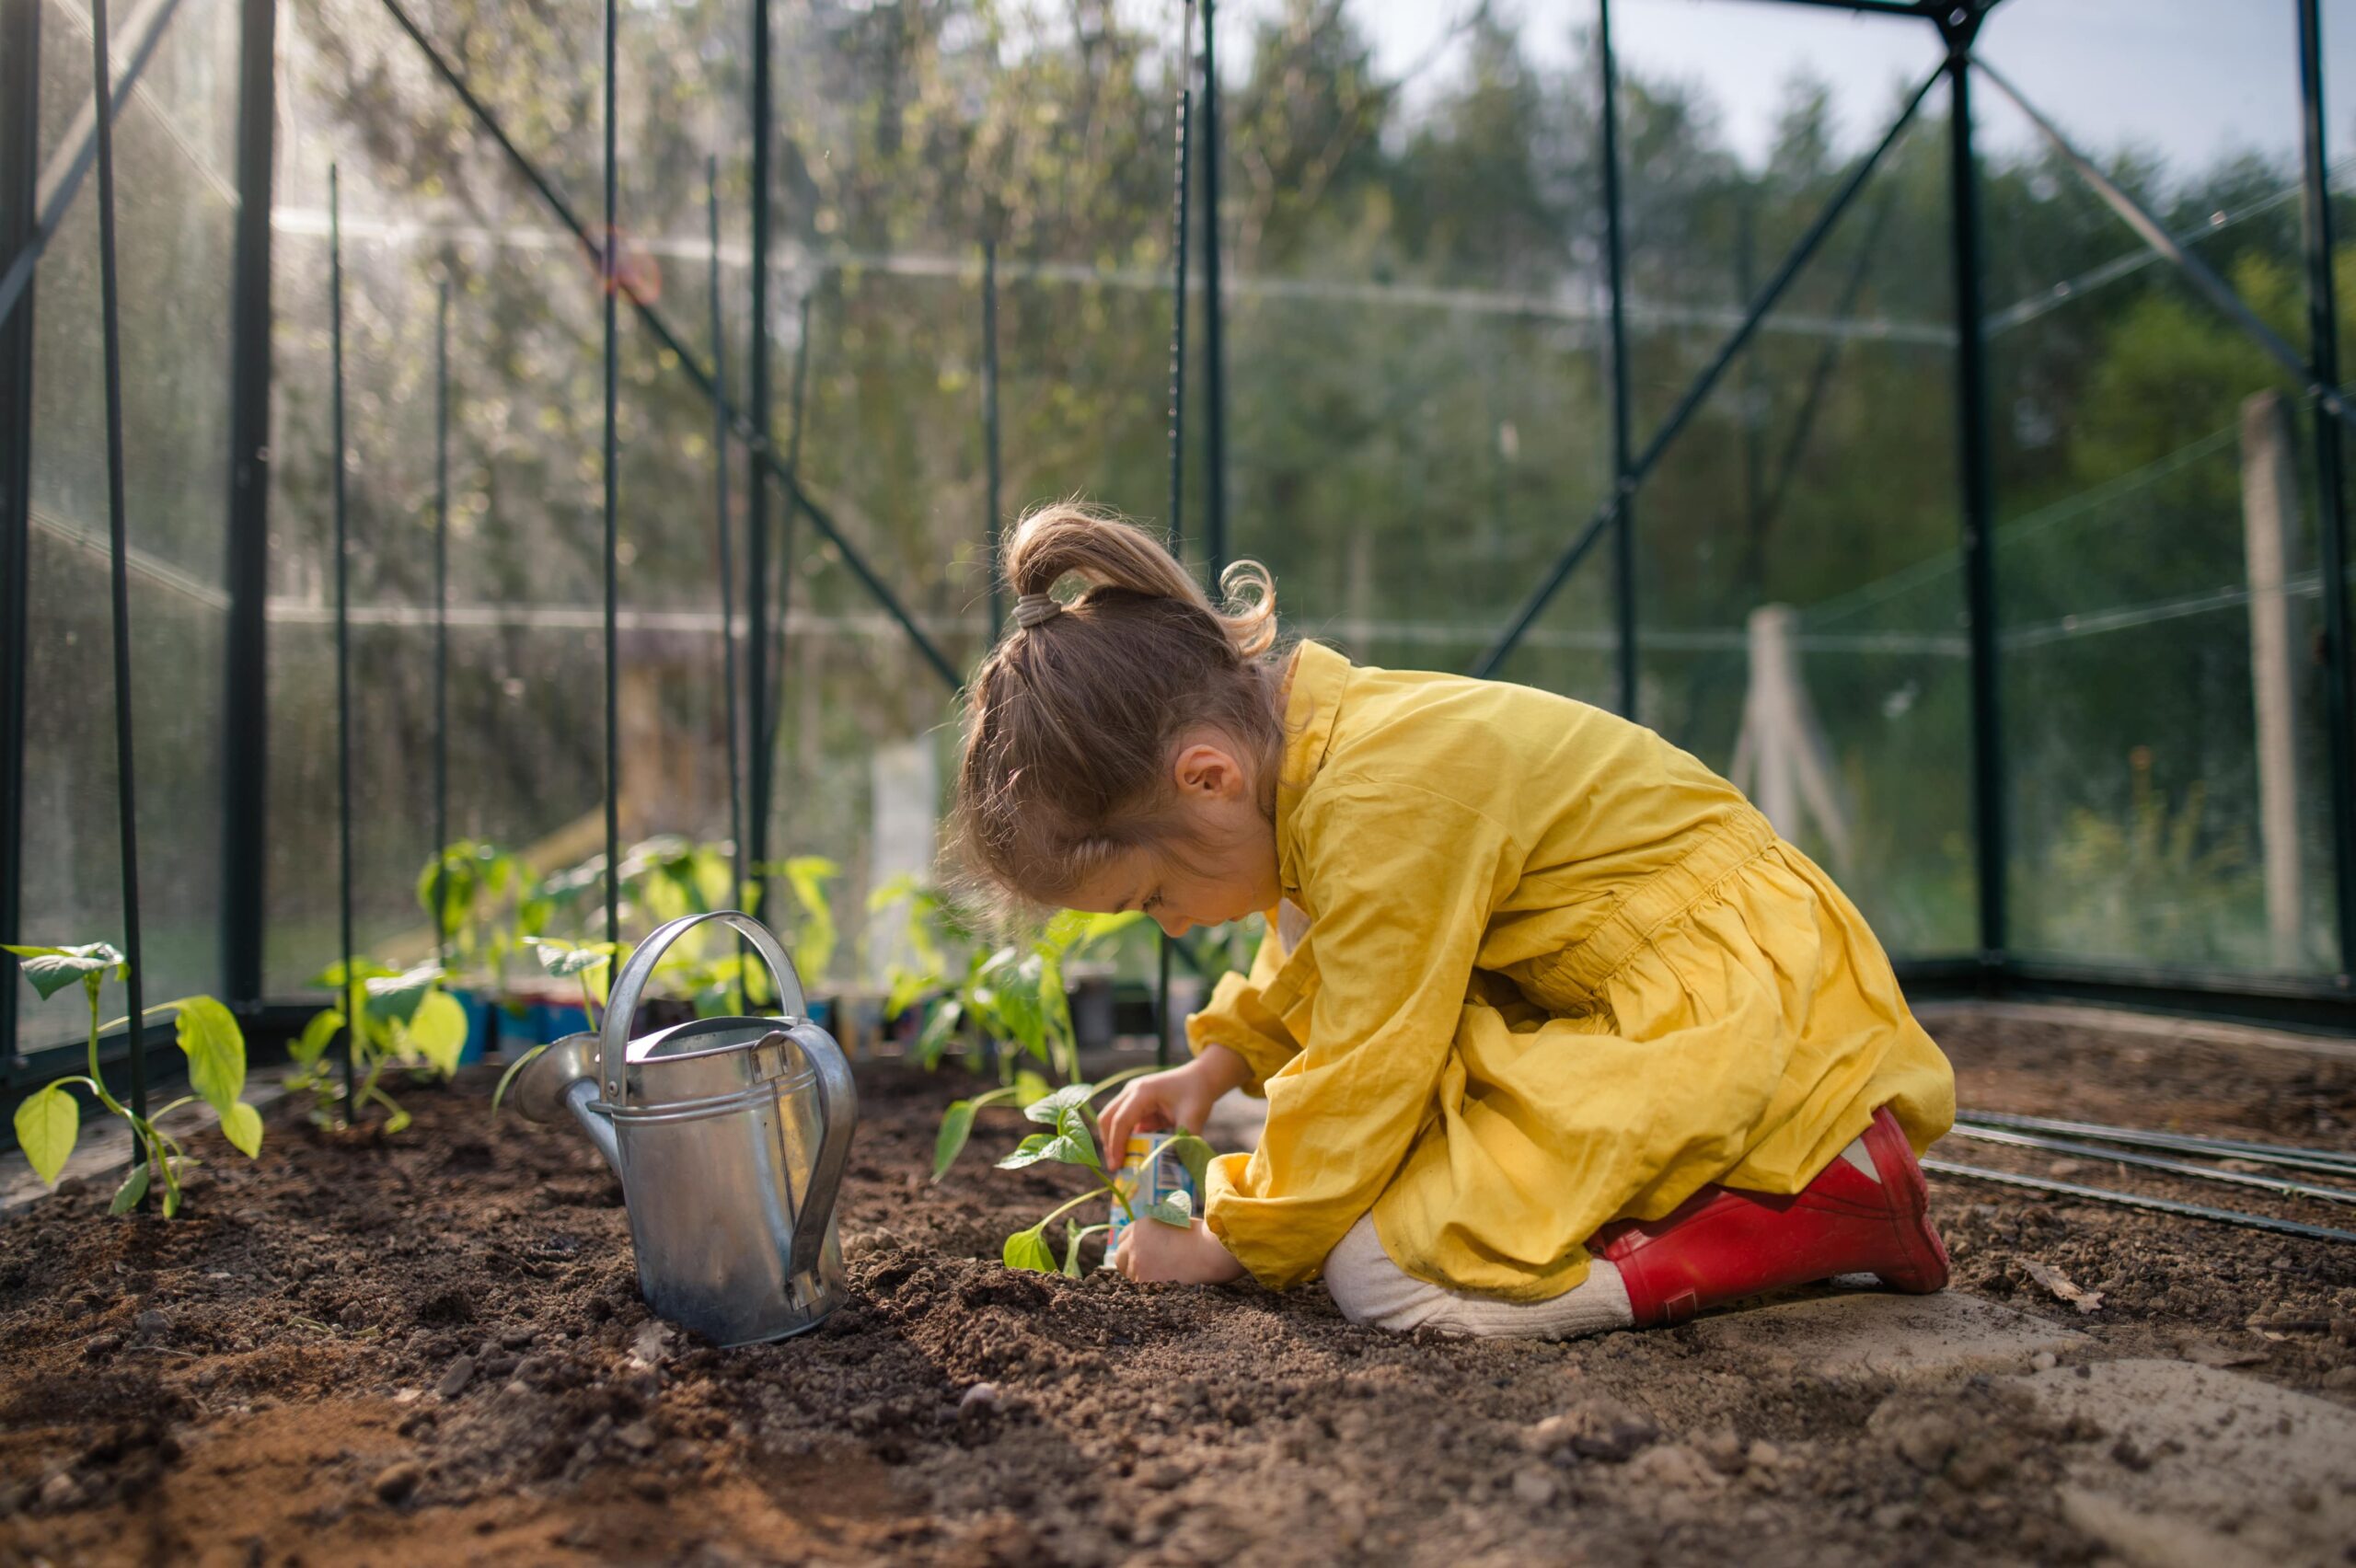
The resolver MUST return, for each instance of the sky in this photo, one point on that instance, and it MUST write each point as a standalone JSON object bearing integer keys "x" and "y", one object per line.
{"x": 2190, "y": 80}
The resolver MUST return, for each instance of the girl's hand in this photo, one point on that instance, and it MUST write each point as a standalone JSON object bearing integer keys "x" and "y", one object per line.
{"x": 1174, "y": 1254}
{"x": 1181, "y": 1097}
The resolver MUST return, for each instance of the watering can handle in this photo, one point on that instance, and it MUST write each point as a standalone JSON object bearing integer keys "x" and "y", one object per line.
{"x": 613, "y": 1041}
{"x": 837, "y": 1115}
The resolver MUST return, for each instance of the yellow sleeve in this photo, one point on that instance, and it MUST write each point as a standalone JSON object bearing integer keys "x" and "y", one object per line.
{"x": 1238, "y": 1018}
{"x": 1404, "y": 882}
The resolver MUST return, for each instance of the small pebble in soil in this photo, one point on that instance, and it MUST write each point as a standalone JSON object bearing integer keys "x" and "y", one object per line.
{"x": 2045, "y": 1361}
{"x": 979, "y": 1400}
{"x": 397, "y": 1481}
{"x": 455, "y": 1377}
{"x": 61, "y": 1490}
{"x": 153, "y": 1324}
{"x": 101, "y": 1344}
{"x": 635, "y": 1435}
{"x": 1534, "y": 1486}
{"x": 517, "y": 1339}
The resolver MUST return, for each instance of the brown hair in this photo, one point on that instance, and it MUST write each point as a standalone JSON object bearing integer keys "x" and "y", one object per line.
{"x": 1071, "y": 724}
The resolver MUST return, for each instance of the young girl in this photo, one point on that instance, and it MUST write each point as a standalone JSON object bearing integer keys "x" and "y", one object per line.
{"x": 1556, "y": 1034}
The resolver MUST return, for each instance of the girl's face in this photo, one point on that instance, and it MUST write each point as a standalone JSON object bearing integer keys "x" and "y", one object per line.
{"x": 1224, "y": 865}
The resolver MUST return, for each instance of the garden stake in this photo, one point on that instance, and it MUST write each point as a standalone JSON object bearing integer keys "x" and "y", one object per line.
{"x": 2136, "y": 1200}
{"x": 2282, "y": 1184}
{"x": 608, "y": 276}
{"x": 727, "y": 566}
{"x": 441, "y": 615}
{"x": 119, "y": 571}
{"x": 2325, "y": 1161}
{"x": 990, "y": 431}
{"x": 352, "y": 995}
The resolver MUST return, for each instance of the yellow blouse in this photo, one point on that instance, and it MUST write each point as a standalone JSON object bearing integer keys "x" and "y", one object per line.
{"x": 1543, "y": 971}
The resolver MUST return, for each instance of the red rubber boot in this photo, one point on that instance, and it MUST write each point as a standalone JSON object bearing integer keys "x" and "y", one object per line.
{"x": 1723, "y": 1243}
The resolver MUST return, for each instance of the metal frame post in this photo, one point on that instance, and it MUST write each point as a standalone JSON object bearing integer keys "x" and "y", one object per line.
{"x": 245, "y": 701}
{"x": 1176, "y": 530}
{"x": 1623, "y": 537}
{"x": 2322, "y": 329}
{"x": 19, "y": 146}
{"x": 1976, "y": 465}
{"x": 1214, "y": 337}
{"x": 720, "y": 456}
{"x": 756, "y": 494}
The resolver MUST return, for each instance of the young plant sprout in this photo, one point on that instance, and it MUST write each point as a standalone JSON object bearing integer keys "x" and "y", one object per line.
{"x": 1069, "y": 1138}
{"x": 588, "y": 963}
{"x": 406, "y": 1019}
{"x": 49, "y": 1123}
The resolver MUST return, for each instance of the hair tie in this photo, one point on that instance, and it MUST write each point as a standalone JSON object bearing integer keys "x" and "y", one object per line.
{"x": 1032, "y": 609}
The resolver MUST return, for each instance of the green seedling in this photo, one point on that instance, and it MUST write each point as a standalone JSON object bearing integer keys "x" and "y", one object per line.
{"x": 49, "y": 1123}
{"x": 814, "y": 932}
{"x": 483, "y": 902}
{"x": 589, "y": 964}
{"x": 1068, "y": 1137}
{"x": 1016, "y": 995}
{"x": 407, "y": 1021}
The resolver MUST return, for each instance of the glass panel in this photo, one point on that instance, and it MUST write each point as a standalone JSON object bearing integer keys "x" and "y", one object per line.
{"x": 174, "y": 238}
{"x": 2155, "y": 547}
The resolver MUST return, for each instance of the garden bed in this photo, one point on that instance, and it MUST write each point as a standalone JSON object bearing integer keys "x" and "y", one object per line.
{"x": 431, "y": 1349}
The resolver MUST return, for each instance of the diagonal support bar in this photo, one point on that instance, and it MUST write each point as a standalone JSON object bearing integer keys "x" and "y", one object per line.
{"x": 1624, "y": 490}
{"x": 763, "y": 450}
{"x": 2198, "y": 272}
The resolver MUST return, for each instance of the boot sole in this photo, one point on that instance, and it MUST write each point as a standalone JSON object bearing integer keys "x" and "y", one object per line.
{"x": 1927, "y": 1267}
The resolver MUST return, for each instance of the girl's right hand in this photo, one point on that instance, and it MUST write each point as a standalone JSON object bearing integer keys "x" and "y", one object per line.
{"x": 1182, "y": 1097}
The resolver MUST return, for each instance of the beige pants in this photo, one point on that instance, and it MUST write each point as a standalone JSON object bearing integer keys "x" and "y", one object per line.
{"x": 1372, "y": 1290}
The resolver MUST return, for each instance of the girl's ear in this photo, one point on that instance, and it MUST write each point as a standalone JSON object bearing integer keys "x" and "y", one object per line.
{"x": 1206, "y": 770}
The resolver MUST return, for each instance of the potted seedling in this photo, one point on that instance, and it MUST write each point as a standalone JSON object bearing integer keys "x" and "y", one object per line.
{"x": 407, "y": 1024}
{"x": 1068, "y": 1136}
{"x": 49, "y": 1123}
{"x": 1018, "y": 995}
{"x": 480, "y": 899}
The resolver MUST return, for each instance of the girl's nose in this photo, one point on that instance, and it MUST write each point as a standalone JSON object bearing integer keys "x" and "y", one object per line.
{"x": 1173, "y": 925}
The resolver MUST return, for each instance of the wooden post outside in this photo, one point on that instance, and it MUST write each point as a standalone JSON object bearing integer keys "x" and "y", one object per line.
{"x": 2270, "y": 524}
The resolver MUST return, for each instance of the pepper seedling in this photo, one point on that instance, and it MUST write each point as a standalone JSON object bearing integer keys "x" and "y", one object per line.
{"x": 49, "y": 1123}
{"x": 1068, "y": 1137}
{"x": 589, "y": 964}
{"x": 406, "y": 1019}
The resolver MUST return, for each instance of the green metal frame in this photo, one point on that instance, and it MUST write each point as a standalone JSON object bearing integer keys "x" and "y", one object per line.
{"x": 1993, "y": 968}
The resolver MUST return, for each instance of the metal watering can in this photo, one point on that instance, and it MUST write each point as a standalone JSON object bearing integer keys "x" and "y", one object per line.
{"x": 729, "y": 1135}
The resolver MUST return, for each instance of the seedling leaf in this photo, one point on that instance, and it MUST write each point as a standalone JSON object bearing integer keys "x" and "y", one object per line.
{"x": 956, "y": 1127}
{"x": 316, "y": 1036}
{"x": 241, "y": 1125}
{"x": 215, "y": 1048}
{"x": 1193, "y": 1154}
{"x": 1049, "y": 1110}
{"x": 48, "y": 1122}
{"x": 1033, "y": 1149}
{"x": 133, "y": 1188}
{"x": 508, "y": 1077}
{"x": 52, "y": 969}
{"x": 1178, "y": 1208}
{"x": 438, "y": 1032}
{"x": 1029, "y": 1249}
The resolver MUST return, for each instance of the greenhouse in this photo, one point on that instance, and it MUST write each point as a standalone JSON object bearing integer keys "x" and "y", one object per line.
{"x": 489, "y": 487}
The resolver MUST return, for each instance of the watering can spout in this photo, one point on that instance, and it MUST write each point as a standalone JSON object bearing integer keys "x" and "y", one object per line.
{"x": 581, "y": 1099}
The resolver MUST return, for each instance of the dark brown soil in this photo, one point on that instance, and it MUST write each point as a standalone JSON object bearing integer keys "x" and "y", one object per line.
{"x": 429, "y": 1349}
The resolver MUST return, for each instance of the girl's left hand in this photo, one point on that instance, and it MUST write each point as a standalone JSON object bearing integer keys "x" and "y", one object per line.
{"x": 1174, "y": 1254}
